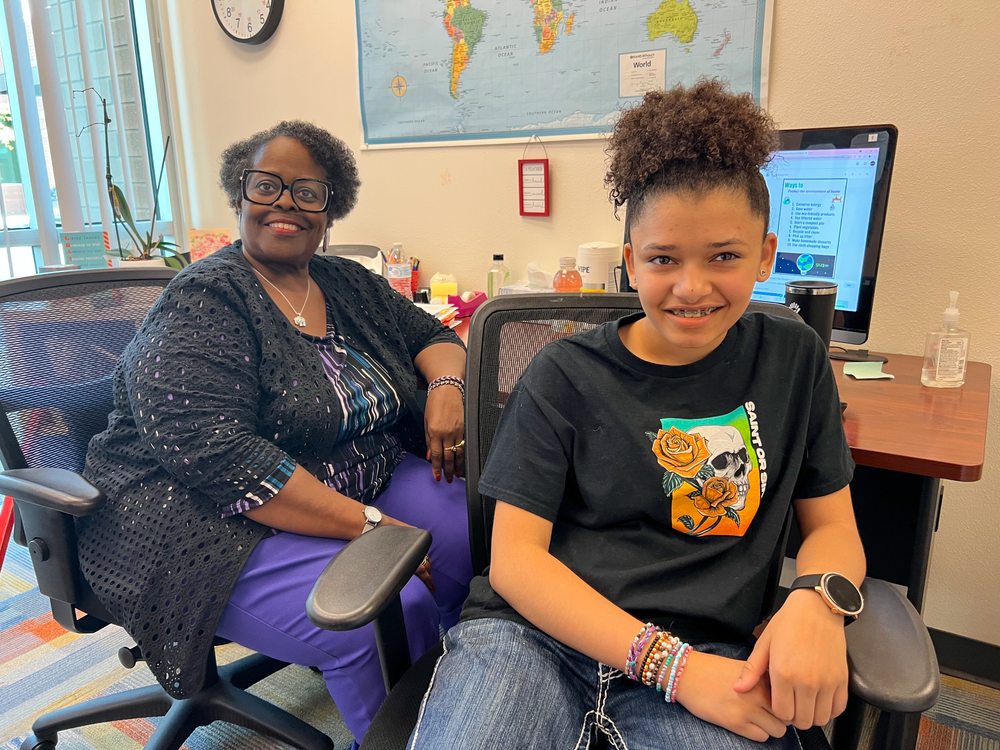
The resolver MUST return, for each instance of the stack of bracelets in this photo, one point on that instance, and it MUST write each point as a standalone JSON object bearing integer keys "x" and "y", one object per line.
{"x": 664, "y": 662}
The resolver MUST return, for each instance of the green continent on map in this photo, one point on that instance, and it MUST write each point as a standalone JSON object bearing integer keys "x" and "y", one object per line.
{"x": 464, "y": 25}
{"x": 675, "y": 17}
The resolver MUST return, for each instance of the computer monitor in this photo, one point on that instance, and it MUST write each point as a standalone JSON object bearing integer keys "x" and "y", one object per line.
{"x": 829, "y": 190}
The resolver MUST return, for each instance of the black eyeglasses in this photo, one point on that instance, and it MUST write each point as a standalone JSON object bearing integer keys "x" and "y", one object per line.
{"x": 266, "y": 188}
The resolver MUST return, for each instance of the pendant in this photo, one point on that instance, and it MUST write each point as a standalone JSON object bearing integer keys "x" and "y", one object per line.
{"x": 300, "y": 321}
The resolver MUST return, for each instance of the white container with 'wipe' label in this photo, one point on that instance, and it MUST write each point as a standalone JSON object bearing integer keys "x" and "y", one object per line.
{"x": 597, "y": 262}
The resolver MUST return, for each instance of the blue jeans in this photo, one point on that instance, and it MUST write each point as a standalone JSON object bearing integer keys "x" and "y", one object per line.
{"x": 501, "y": 684}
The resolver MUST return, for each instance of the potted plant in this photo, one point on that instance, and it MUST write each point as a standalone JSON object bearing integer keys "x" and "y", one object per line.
{"x": 140, "y": 249}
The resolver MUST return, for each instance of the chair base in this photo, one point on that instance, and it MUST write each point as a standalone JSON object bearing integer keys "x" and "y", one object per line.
{"x": 223, "y": 699}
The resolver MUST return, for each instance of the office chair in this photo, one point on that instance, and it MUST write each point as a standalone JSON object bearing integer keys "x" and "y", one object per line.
{"x": 61, "y": 335}
{"x": 892, "y": 661}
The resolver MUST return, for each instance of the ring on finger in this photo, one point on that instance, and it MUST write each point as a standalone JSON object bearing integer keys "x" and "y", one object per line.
{"x": 456, "y": 447}
{"x": 427, "y": 560}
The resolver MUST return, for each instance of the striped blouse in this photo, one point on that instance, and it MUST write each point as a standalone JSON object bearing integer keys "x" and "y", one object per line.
{"x": 368, "y": 449}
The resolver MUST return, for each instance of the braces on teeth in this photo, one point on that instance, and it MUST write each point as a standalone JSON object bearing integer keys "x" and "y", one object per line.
{"x": 693, "y": 313}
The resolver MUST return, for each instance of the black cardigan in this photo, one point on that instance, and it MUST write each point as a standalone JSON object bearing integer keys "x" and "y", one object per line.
{"x": 213, "y": 394}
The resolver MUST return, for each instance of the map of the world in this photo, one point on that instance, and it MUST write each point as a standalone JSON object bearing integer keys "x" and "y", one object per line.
{"x": 456, "y": 70}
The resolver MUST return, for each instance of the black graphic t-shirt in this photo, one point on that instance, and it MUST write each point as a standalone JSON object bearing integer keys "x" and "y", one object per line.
{"x": 668, "y": 487}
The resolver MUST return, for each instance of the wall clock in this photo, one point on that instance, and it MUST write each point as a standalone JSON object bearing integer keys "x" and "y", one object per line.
{"x": 248, "y": 21}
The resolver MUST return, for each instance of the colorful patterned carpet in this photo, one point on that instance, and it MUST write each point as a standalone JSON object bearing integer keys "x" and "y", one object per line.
{"x": 42, "y": 667}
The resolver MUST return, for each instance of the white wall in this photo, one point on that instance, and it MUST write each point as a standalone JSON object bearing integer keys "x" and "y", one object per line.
{"x": 928, "y": 67}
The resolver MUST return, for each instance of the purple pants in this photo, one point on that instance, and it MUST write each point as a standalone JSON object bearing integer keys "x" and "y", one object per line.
{"x": 267, "y": 609}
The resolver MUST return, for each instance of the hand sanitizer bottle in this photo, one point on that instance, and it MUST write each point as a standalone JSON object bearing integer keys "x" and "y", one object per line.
{"x": 946, "y": 352}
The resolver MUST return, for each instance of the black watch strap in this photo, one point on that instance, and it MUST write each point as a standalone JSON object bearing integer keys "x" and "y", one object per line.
{"x": 806, "y": 582}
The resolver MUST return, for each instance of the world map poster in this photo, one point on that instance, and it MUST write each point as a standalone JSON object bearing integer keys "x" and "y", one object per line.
{"x": 459, "y": 70}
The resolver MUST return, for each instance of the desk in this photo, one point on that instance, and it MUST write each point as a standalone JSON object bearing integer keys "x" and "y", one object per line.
{"x": 905, "y": 438}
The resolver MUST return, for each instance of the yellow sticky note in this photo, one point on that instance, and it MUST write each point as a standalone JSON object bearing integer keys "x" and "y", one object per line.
{"x": 866, "y": 371}
{"x": 443, "y": 288}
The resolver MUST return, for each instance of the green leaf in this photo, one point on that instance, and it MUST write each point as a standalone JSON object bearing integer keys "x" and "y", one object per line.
{"x": 706, "y": 472}
{"x": 651, "y": 436}
{"x": 733, "y": 516}
{"x": 123, "y": 213}
{"x": 688, "y": 522}
{"x": 671, "y": 482}
{"x": 175, "y": 262}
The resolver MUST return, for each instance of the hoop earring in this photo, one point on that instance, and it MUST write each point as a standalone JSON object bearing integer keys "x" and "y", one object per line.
{"x": 325, "y": 235}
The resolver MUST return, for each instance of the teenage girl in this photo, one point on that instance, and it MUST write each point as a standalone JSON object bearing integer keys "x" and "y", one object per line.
{"x": 644, "y": 471}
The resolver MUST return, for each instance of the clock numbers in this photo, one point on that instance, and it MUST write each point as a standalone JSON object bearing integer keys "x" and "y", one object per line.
{"x": 243, "y": 20}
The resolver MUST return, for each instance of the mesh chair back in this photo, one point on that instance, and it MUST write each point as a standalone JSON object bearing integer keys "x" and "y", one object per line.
{"x": 61, "y": 335}
{"x": 60, "y": 338}
{"x": 506, "y": 333}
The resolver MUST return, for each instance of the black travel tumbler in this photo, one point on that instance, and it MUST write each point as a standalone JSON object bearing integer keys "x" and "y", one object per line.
{"x": 815, "y": 302}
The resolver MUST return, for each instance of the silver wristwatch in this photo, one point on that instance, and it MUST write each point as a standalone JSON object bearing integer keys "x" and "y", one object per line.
{"x": 373, "y": 517}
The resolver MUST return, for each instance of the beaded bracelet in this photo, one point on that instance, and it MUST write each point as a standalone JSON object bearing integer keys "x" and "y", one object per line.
{"x": 447, "y": 380}
{"x": 677, "y": 677}
{"x": 665, "y": 669}
{"x": 654, "y": 657}
{"x": 670, "y": 691}
{"x": 664, "y": 647}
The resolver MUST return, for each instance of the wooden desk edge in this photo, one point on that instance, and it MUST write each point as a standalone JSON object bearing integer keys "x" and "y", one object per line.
{"x": 936, "y": 469}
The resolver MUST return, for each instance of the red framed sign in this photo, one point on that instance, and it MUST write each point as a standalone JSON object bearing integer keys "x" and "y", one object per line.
{"x": 533, "y": 186}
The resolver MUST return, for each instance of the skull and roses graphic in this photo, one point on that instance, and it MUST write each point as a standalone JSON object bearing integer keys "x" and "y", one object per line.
{"x": 712, "y": 473}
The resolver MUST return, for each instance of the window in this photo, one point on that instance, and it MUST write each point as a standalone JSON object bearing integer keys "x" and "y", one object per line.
{"x": 58, "y": 60}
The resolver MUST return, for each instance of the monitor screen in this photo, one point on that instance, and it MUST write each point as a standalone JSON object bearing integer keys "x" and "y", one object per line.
{"x": 829, "y": 188}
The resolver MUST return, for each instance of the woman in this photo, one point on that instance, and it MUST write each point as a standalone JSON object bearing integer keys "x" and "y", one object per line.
{"x": 271, "y": 390}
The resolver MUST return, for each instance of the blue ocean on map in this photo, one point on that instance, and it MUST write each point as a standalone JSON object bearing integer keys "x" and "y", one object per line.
{"x": 453, "y": 70}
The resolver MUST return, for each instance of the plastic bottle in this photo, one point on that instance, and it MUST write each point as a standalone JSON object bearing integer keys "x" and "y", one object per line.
{"x": 399, "y": 271}
{"x": 498, "y": 276}
{"x": 946, "y": 352}
{"x": 567, "y": 279}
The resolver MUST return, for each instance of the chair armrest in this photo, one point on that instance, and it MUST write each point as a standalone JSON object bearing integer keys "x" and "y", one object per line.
{"x": 365, "y": 576}
{"x": 53, "y": 489}
{"x": 890, "y": 655}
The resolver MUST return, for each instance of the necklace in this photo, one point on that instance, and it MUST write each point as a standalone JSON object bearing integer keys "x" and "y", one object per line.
{"x": 298, "y": 320}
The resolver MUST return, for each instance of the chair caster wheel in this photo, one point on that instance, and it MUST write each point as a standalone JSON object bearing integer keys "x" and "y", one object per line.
{"x": 33, "y": 743}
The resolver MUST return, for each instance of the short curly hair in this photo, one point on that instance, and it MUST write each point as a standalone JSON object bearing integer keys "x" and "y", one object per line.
{"x": 330, "y": 153}
{"x": 690, "y": 140}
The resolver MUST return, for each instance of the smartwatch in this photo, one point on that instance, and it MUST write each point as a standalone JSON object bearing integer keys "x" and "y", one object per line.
{"x": 373, "y": 517}
{"x": 839, "y": 593}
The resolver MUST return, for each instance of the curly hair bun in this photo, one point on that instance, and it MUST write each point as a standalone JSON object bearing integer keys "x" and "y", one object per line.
{"x": 703, "y": 128}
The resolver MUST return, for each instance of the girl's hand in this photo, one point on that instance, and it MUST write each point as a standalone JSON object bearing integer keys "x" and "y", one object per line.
{"x": 706, "y": 690}
{"x": 804, "y": 652}
{"x": 444, "y": 427}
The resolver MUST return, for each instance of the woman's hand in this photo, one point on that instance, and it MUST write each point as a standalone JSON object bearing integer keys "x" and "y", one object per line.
{"x": 444, "y": 427}
{"x": 423, "y": 572}
{"x": 706, "y": 690}
{"x": 804, "y": 652}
